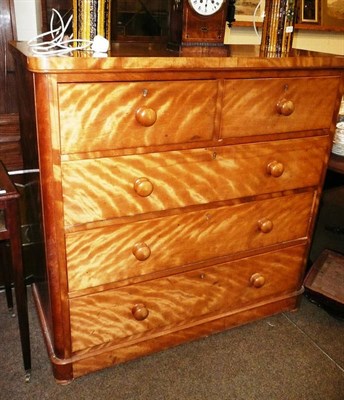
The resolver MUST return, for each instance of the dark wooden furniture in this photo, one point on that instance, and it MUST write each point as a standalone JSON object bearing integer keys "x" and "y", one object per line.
{"x": 179, "y": 194}
{"x": 10, "y": 146}
{"x": 336, "y": 163}
{"x": 131, "y": 20}
{"x": 10, "y": 232}
{"x": 140, "y": 20}
{"x": 325, "y": 280}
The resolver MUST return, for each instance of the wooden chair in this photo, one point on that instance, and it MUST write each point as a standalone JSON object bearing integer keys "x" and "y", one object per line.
{"x": 10, "y": 232}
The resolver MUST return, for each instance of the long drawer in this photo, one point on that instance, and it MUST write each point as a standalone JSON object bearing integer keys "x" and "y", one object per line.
{"x": 100, "y": 116}
{"x": 113, "y": 253}
{"x": 136, "y": 311}
{"x": 100, "y": 189}
{"x": 266, "y": 106}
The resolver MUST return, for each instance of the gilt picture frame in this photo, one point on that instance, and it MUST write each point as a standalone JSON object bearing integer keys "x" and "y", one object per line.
{"x": 310, "y": 12}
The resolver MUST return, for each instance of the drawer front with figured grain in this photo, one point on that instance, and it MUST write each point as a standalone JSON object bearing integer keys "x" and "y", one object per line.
{"x": 113, "y": 253}
{"x": 266, "y": 106}
{"x": 149, "y": 308}
{"x": 99, "y": 189}
{"x": 102, "y": 116}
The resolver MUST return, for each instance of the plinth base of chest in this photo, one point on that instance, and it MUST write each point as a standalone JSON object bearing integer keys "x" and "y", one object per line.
{"x": 90, "y": 360}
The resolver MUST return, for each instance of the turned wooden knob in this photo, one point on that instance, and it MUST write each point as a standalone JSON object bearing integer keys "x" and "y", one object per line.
{"x": 141, "y": 251}
{"x": 285, "y": 107}
{"x": 145, "y": 116}
{"x": 143, "y": 187}
{"x": 275, "y": 169}
{"x": 265, "y": 225}
{"x": 257, "y": 280}
{"x": 140, "y": 312}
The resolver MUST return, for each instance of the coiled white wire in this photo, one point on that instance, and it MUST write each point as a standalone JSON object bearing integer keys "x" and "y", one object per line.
{"x": 60, "y": 43}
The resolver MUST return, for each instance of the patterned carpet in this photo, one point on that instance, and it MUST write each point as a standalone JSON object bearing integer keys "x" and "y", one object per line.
{"x": 285, "y": 357}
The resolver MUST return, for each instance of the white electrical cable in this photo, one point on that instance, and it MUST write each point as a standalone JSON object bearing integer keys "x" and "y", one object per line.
{"x": 61, "y": 43}
{"x": 23, "y": 171}
{"x": 255, "y": 17}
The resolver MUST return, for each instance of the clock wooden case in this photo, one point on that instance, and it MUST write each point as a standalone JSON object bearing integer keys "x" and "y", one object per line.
{"x": 198, "y": 27}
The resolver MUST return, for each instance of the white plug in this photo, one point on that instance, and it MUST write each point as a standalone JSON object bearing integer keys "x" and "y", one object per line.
{"x": 100, "y": 44}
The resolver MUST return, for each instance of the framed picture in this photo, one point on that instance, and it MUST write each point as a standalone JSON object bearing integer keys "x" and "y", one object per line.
{"x": 332, "y": 14}
{"x": 310, "y": 12}
{"x": 248, "y": 11}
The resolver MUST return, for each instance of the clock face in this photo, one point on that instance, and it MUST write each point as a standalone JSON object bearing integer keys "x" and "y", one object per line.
{"x": 206, "y": 7}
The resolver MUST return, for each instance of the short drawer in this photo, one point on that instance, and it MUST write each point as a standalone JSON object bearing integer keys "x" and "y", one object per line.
{"x": 104, "y": 188}
{"x": 102, "y": 116}
{"x": 98, "y": 256}
{"x": 266, "y": 106}
{"x": 149, "y": 308}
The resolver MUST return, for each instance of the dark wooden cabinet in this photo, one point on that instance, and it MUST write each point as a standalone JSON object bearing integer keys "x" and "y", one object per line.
{"x": 131, "y": 20}
{"x": 10, "y": 149}
{"x": 7, "y": 81}
{"x": 140, "y": 20}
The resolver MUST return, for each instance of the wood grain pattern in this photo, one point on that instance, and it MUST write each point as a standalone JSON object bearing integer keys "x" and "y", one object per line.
{"x": 210, "y": 158}
{"x": 100, "y": 189}
{"x": 255, "y": 100}
{"x": 181, "y": 299}
{"x": 135, "y": 57}
{"x": 88, "y": 361}
{"x": 10, "y": 145}
{"x": 98, "y": 116}
{"x": 99, "y": 256}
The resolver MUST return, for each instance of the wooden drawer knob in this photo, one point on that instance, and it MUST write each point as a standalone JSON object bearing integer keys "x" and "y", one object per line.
{"x": 140, "y": 312}
{"x": 275, "y": 169}
{"x": 141, "y": 251}
{"x": 145, "y": 116}
{"x": 285, "y": 107}
{"x": 143, "y": 187}
{"x": 265, "y": 225}
{"x": 257, "y": 280}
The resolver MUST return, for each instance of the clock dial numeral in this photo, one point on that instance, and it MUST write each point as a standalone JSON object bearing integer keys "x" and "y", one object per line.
{"x": 206, "y": 7}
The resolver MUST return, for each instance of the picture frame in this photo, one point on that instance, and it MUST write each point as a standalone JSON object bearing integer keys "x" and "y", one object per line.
{"x": 244, "y": 11}
{"x": 329, "y": 17}
{"x": 332, "y": 14}
{"x": 310, "y": 12}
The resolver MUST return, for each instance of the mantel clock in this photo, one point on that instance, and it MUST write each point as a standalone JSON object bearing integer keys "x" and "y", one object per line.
{"x": 197, "y": 27}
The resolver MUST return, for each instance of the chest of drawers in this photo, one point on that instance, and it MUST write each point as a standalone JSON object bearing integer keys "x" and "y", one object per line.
{"x": 179, "y": 195}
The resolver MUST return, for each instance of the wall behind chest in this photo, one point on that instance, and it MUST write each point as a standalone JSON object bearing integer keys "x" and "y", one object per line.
{"x": 28, "y": 18}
